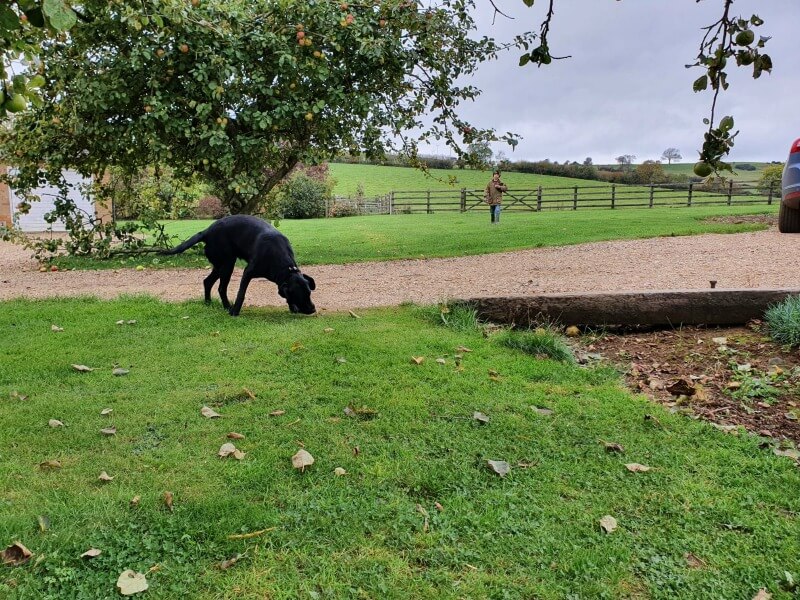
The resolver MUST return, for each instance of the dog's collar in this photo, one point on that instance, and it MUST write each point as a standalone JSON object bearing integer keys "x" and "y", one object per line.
{"x": 293, "y": 269}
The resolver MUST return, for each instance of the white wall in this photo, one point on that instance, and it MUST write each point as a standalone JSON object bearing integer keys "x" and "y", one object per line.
{"x": 34, "y": 220}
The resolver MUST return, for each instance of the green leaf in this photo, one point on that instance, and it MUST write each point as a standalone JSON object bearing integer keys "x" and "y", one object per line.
{"x": 726, "y": 124}
{"x": 36, "y": 81}
{"x": 700, "y": 83}
{"x": 524, "y": 60}
{"x": 59, "y": 14}
{"x": 529, "y": 3}
{"x": 8, "y": 19}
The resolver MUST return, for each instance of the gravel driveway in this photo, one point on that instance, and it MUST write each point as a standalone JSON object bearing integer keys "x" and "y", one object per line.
{"x": 744, "y": 260}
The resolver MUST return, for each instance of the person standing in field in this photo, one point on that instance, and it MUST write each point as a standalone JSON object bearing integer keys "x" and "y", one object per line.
{"x": 494, "y": 196}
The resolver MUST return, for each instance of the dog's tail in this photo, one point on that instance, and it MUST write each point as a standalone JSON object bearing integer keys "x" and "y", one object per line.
{"x": 195, "y": 239}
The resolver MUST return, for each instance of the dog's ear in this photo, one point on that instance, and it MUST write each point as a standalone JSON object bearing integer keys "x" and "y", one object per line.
{"x": 310, "y": 281}
{"x": 281, "y": 293}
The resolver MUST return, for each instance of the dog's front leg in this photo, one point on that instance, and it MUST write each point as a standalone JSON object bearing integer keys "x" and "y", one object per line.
{"x": 237, "y": 306}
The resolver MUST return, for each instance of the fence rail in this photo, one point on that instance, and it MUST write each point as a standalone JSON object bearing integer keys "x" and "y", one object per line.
{"x": 612, "y": 196}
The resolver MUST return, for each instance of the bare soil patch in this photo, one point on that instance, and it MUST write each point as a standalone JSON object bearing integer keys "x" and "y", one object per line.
{"x": 729, "y": 376}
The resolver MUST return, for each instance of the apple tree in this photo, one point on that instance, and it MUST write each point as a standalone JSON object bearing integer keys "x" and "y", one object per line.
{"x": 240, "y": 91}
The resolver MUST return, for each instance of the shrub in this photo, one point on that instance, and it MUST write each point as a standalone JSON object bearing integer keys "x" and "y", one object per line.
{"x": 210, "y": 207}
{"x": 783, "y": 321}
{"x": 771, "y": 176}
{"x": 304, "y": 197}
{"x": 343, "y": 209}
{"x": 537, "y": 342}
{"x": 460, "y": 316}
{"x": 746, "y": 167}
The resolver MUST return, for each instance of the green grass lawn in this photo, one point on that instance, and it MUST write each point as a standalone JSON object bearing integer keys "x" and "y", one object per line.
{"x": 358, "y": 239}
{"x": 418, "y": 514}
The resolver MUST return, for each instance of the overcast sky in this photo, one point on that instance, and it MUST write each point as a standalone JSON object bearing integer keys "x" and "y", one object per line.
{"x": 626, "y": 90}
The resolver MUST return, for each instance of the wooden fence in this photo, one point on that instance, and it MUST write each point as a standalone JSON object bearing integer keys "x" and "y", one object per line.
{"x": 610, "y": 196}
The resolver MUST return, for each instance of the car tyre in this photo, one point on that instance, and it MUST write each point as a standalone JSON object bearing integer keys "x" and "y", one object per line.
{"x": 788, "y": 219}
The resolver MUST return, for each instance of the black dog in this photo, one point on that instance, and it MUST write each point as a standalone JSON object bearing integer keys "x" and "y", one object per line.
{"x": 268, "y": 254}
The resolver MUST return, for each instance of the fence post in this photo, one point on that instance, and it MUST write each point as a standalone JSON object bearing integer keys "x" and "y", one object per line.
{"x": 429, "y": 202}
{"x": 391, "y": 202}
{"x": 689, "y": 197}
{"x": 539, "y": 199}
{"x": 463, "y": 199}
{"x": 769, "y": 198}
{"x": 613, "y": 196}
{"x": 651, "y": 195}
{"x": 730, "y": 191}
{"x": 575, "y": 199}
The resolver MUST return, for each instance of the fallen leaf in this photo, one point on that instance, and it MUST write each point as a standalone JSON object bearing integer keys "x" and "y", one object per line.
{"x": 694, "y": 562}
{"x": 762, "y": 594}
{"x": 726, "y": 428}
{"x": 608, "y": 523}
{"x": 209, "y": 413}
{"x": 130, "y": 583}
{"x": 614, "y": 447}
{"x": 417, "y": 360}
{"x": 248, "y": 393}
{"x": 44, "y": 522}
{"x": 238, "y": 454}
{"x": 572, "y": 331}
{"x": 16, "y": 554}
{"x": 788, "y": 452}
{"x": 131, "y": 322}
{"x": 364, "y": 413}
{"x": 169, "y": 498}
{"x": 462, "y": 349}
{"x": 500, "y": 467}
{"x": 297, "y": 346}
{"x": 441, "y": 361}
{"x": 106, "y": 411}
{"x": 235, "y": 436}
{"x": 135, "y": 501}
{"x": 226, "y": 450}
{"x": 352, "y": 314}
{"x": 55, "y": 423}
{"x": 118, "y": 372}
{"x": 356, "y": 450}
{"x": 15, "y": 395}
{"x": 50, "y": 464}
{"x": 277, "y": 413}
{"x": 328, "y": 330}
{"x": 722, "y": 341}
{"x": 341, "y": 360}
{"x": 637, "y": 468}
{"x": 302, "y": 459}
{"x": 109, "y": 431}
{"x": 480, "y": 417}
{"x": 339, "y": 471}
{"x": 545, "y": 412}
{"x": 82, "y": 368}
{"x": 733, "y": 385}
{"x": 656, "y": 384}
{"x": 105, "y": 477}
{"x": 681, "y": 387}
{"x": 252, "y": 534}
{"x": 121, "y": 322}
{"x": 228, "y": 563}
{"x": 438, "y": 506}
{"x": 56, "y": 328}
{"x": 91, "y": 553}
{"x": 744, "y": 368}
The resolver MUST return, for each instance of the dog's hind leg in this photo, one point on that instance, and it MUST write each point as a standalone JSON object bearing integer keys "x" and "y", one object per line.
{"x": 225, "y": 273}
{"x": 246, "y": 277}
{"x": 209, "y": 282}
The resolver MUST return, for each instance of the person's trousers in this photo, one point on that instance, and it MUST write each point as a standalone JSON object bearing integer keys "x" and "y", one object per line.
{"x": 494, "y": 210}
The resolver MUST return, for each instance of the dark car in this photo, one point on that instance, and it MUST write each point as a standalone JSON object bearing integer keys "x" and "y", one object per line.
{"x": 789, "y": 217}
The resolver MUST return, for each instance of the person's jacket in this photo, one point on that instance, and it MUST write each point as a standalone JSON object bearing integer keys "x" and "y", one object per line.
{"x": 494, "y": 192}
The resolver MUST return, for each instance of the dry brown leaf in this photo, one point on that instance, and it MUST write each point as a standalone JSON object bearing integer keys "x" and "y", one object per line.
{"x": 56, "y": 328}
{"x": 119, "y": 372}
{"x": 297, "y": 346}
{"x": 169, "y": 498}
{"x": 500, "y": 467}
{"x": 480, "y": 417}
{"x": 572, "y": 331}
{"x": 787, "y": 452}
{"x": 762, "y": 594}
{"x": 438, "y": 506}
{"x": 733, "y": 385}
{"x": 341, "y": 360}
{"x": 352, "y": 314}
{"x": 238, "y": 454}
{"x": 109, "y": 431}
{"x": 209, "y": 413}
{"x": 608, "y": 523}
{"x": 681, "y": 387}
{"x": 44, "y": 522}
{"x": 356, "y": 450}
{"x": 228, "y": 563}
{"x": 55, "y": 423}
{"x": 106, "y": 411}
{"x": 417, "y": 360}
{"x": 226, "y": 450}
{"x": 339, "y": 471}
{"x": 694, "y": 562}
{"x": 105, "y": 477}
{"x": 91, "y": 553}
{"x": 545, "y": 412}
{"x": 50, "y": 464}
{"x": 82, "y": 368}
{"x": 614, "y": 447}
{"x": 249, "y": 394}
{"x": 637, "y": 468}
{"x": 328, "y": 330}
{"x": 302, "y": 459}
{"x": 16, "y": 554}
{"x": 135, "y": 501}
{"x": 235, "y": 436}
{"x": 130, "y": 583}
{"x": 277, "y": 413}
{"x": 462, "y": 349}
{"x": 441, "y": 361}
